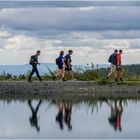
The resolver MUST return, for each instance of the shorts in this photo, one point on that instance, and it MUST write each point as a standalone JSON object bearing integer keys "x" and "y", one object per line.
{"x": 60, "y": 67}
{"x": 119, "y": 68}
{"x": 68, "y": 69}
{"x": 113, "y": 68}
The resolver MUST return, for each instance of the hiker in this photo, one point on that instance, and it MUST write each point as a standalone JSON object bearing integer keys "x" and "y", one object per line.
{"x": 68, "y": 65}
{"x": 34, "y": 62}
{"x": 115, "y": 115}
{"x": 34, "y": 119}
{"x": 60, "y": 62}
{"x": 113, "y": 61}
{"x": 119, "y": 69}
{"x": 59, "y": 117}
{"x": 67, "y": 114}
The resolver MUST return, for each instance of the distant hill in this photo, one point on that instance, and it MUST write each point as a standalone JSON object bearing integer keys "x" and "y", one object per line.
{"x": 23, "y": 69}
{"x": 133, "y": 69}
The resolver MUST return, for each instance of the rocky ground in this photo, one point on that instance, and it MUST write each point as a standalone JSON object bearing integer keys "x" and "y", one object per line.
{"x": 69, "y": 90}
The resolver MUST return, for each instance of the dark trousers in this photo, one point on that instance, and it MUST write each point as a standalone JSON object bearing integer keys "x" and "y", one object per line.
{"x": 34, "y": 70}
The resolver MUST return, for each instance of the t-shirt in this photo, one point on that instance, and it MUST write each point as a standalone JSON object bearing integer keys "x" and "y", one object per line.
{"x": 61, "y": 60}
{"x": 118, "y": 56}
{"x": 67, "y": 57}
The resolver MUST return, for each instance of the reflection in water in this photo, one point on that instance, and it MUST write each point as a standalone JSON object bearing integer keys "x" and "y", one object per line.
{"x": 89, "y": 118}
{"x": 115, "y": 114}
{"x": 64, "y": 114}
{"x": 34, "y": 119}
{"x": 59, "y": 117}
{"x": 68, "y": 111}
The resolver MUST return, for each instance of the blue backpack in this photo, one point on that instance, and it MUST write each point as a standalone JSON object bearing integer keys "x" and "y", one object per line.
{"x": 112, "y": 59}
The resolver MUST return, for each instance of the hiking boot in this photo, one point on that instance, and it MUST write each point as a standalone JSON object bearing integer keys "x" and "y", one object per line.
{"x": 63, "y": 79}
{"x": 40, "y": 80}
{"x": 107, "y": 78}
{"x": 121, "y": 79}
{"x": 116, "y": 80}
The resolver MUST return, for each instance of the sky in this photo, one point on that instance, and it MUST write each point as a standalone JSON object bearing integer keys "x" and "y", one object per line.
{"x": 92, "y": 29}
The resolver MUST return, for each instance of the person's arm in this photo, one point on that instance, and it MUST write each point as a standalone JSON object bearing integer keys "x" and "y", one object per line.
{"x": 69, "y": 65}
{"x": 63, "y": 61}
{"x": 36, "y": 60}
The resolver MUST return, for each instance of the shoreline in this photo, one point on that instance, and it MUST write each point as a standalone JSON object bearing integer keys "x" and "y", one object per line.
{"x": 67, "y": 90}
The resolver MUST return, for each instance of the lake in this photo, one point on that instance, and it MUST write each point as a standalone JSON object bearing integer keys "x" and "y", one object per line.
{"x": 67, "y": 119}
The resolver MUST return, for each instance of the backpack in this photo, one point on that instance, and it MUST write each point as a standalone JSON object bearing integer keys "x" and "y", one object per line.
{"x": 31, "y": 61}
{"x": 57, "y": 61}
{"x": 112, "y": 59}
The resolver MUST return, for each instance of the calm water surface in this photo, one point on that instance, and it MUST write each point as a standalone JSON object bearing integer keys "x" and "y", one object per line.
{"x": 66, "y": 119}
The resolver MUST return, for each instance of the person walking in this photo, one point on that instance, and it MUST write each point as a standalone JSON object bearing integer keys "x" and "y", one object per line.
{"x": 68, "y": 65}
{"x": 34, "y": 63}
{"x": 60, "y": 62}
{"x": 67, "y": 114}
{"x": 113, "y": 61}
{"x": 115, "y": 115}
{"x": 119, "y": 69}
{"x": 34, "y": 119}
{"x": 60, "y": 115}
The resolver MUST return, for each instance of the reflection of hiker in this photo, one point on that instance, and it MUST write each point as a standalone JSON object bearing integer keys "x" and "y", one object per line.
{"x": 68, "y": 65}
{"x": 60, "y": 63}
{"x": 64, "y": 115}
{"x": 119, "y": 72}
{"x": 33, "y": 119}
{"x": 67, "y": 116}
{"x": 113, "y": 61}
{"x": 115, "y": 116}
{"x": 59, "y": 117}
{"x": 34, "y": 62}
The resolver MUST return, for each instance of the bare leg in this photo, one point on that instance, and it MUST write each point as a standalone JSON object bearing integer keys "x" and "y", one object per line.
{"x": 62, "y": 73}
{"x": 110, "y": 73}
{"x": 121, "y": 73}
{"x": 58, "y": 73}
{"x": 116, "y": 75}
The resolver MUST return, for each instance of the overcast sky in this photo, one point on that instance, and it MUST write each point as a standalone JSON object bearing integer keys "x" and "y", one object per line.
{"x": 92, "y": 29}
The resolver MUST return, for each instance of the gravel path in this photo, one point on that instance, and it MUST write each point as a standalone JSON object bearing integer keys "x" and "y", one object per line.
{"x": 69, "y": 89}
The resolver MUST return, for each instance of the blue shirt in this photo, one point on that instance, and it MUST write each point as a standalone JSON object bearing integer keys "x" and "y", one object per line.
{"x": 61, "y": 58}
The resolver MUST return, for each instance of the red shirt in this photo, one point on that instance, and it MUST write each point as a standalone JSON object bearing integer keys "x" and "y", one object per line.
{"x": 119, "y": 62}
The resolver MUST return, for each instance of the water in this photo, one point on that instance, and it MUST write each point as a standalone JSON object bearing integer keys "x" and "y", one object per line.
{"x": 66, "y": 119}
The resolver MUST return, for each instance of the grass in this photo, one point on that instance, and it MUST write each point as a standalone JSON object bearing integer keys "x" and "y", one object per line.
{"x": 89, "y": 74}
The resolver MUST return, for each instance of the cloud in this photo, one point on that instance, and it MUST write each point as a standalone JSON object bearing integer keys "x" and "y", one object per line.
{"x": 66, "y": 3}
{"x": 72, "y": 19}
{"x": 21, "y": 42}
{"x": 19, "y": 47}
{"x": 4, "y": 34}
{"x": 92, "y": 29}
